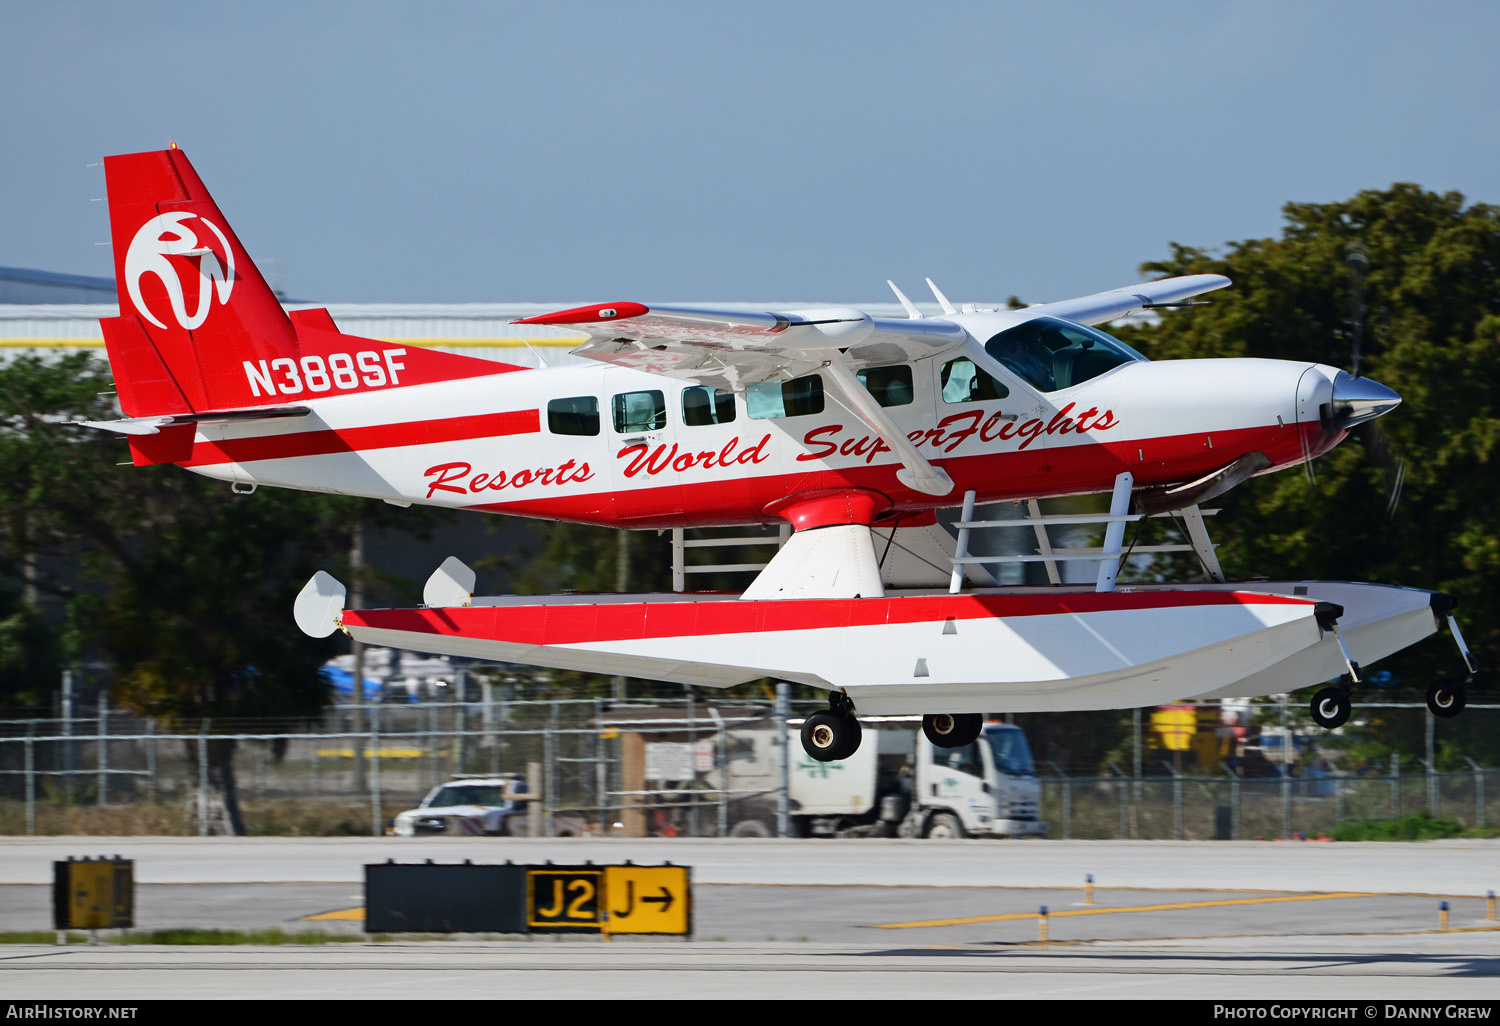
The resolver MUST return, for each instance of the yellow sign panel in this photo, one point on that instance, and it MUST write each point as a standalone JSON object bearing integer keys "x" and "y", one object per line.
{"x": 649, "y": 899}
{"x": 563, "y": 899}
{"x": 94, "y": 894}
{"x": 1176, "y": 724}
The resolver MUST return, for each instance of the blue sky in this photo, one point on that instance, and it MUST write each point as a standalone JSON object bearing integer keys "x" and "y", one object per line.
{"x": 575, "y": 151}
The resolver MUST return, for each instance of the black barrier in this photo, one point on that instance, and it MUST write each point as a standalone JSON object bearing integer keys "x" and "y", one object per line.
{"x": 435, "y": 898}
{"x": 93, "y": 894}
{"x": 464, "y": 898}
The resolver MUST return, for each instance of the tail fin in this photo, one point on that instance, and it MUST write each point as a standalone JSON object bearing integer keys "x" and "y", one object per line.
{"x": 200, "y": 330}
{"x": 186, "y": 281}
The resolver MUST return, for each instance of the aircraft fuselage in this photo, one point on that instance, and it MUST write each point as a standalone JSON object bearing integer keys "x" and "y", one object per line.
{"x": 658, "y": 452}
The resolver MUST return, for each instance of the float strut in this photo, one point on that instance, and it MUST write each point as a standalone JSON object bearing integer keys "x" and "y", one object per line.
{"x": 1327, "y": 615}
{"x": 1442, "y": 605}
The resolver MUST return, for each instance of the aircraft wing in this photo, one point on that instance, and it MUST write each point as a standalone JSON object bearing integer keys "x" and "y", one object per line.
{"x": 733, "y": 348}
{"x": 1106, "y": 306}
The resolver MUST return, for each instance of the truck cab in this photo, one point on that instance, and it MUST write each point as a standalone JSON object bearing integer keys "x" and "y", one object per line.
{"x": 989, "y": 788}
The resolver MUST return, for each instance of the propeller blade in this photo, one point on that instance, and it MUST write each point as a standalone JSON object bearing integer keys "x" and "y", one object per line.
{"x": 1393, "y": 467}
{"x": 1390, "y": 506}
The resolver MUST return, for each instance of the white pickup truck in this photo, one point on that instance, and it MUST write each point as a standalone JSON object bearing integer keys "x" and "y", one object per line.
{"x": 480, "y": 806}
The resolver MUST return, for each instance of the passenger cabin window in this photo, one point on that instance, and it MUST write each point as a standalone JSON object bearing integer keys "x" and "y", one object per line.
{"x": 891, "y": 386}
{"x": 578, "y": 415}
{"x": 965, "y": 383}
{"x": 702, "y": 406}
{"x": 798, "y": 397}
{"x": 639, "y": 411}
{"x": 1051, "y": 354}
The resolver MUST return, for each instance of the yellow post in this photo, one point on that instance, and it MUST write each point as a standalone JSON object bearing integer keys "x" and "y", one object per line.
{"x": 1088, "y": 889}
{"x": 1443, "y": 915}
{"x": 1041, "y": 923}
{"x": 1490, "y": 904}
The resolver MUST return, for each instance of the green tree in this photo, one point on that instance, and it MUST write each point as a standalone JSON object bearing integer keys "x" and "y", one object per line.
{"x": 183, "y": 587}
{"x": 1432, "y": 332}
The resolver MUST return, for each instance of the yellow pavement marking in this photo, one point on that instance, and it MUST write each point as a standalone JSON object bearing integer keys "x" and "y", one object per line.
{"x": 1175, "y": 906}
{"x": 51, "y": 343}
{"x": 352, "y": 914}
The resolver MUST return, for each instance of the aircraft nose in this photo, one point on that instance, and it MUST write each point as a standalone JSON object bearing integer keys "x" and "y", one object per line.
{"x": 1357, "y": 400}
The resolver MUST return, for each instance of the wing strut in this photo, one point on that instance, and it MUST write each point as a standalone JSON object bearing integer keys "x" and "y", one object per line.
{"x": 916, "y": 473}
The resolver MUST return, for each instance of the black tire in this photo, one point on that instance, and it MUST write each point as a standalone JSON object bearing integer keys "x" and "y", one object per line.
{"x": 944, "y": 826}
{"x": 829, "y": 736}
{"x": 853, "y": 735}
{"x": 1330, "y": 707}
{"x": 952, "y": 730}
{"x": 1446, "y": 698}
{"x": 751, "y": 828}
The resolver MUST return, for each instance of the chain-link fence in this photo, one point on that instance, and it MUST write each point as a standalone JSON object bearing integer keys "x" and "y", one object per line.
{"x": 641, "y": 770}
{"x": 1230, "y": 808}
{"x": 632, "y": 769}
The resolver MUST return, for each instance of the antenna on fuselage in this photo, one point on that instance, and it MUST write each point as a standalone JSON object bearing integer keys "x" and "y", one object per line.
{"x": 541, "y": 361}
{"x": 912, "y": 313}
{"x": 948, "y": 307}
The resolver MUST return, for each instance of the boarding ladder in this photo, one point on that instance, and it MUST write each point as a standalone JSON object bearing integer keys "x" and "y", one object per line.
{"x": 1108, "y": 555}
{"x": 681, "y": 543}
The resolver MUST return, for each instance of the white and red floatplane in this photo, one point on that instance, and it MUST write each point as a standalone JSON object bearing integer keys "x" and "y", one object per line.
{"x": 851, "y": 429}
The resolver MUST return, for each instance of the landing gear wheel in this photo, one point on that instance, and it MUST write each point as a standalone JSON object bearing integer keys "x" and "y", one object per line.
{"x": 1331, "y": 707}
{"x": 952, "y": 730}
{"x": 1446, "y": 698}
{"x": 944, "y": 826}
{"x": 830, "y": 736}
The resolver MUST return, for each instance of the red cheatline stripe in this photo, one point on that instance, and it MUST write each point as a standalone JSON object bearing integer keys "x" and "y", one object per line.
{"x": 379, "y": 436}
{"x": 573, "y": 624}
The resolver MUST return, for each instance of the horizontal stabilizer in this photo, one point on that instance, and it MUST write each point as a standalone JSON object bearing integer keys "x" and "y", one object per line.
{"x": 152, "y": 425}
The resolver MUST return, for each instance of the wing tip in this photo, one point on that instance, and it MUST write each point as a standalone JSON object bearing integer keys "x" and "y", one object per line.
{"x": 592, "y": 314}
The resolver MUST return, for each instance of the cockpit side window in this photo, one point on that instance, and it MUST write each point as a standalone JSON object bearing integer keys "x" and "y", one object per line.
{"x": 962, "y": 382}
{"x": 1050, "y": 354}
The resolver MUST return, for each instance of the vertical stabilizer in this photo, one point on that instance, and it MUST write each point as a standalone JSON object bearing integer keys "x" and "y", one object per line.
{"x": 200, "y": 330}
{"x": 187, "y": 283}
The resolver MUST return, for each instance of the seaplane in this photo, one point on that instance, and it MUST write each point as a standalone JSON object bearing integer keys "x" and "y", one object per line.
{"x": 849, "y": 431}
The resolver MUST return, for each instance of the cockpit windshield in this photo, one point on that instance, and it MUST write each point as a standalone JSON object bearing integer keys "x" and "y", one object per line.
{"x": 1012, "y": 753}
{"x": 1051, "y": 354}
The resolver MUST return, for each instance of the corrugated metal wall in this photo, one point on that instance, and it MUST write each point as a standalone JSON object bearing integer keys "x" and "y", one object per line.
{"x": 474, "y": 329}
{"x": 483, "y": 330}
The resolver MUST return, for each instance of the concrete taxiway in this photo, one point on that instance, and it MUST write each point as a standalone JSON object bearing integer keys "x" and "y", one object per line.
{"x": 860, "y": 918}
